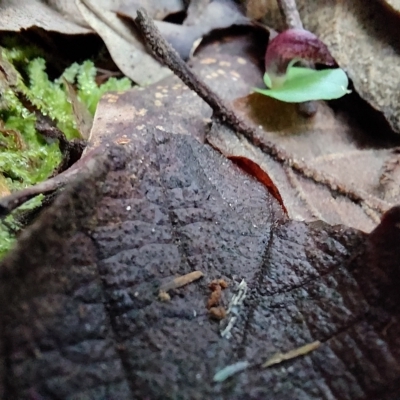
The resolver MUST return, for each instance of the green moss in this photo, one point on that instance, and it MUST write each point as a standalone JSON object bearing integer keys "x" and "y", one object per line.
{"x": 25, "y": 157}
{"x": 36, "y": 161}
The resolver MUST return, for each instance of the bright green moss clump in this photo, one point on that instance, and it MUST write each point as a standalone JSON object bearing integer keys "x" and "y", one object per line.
{"x": 33, "y": 160}
{"x": 26, "y": 158}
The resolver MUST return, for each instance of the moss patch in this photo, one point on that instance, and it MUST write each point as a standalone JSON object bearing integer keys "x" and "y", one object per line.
{"x": 26, "y": 158}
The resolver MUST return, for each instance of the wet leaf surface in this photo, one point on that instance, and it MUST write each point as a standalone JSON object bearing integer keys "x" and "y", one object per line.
{"x": 81, "y": 315}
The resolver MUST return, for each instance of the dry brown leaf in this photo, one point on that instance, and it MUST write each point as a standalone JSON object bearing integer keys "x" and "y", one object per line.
{"x": 16, "y": 15}
{"x": 126, "y": 49}
{"x": 80, "y": 317}
{"x": 363, "y": 36}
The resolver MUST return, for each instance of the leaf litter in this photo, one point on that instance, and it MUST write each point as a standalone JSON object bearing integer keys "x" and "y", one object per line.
{"x": 360, "y": 258}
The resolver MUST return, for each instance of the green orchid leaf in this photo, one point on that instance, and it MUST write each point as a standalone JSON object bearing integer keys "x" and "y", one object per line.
{"x": 305, "y": 84}
{"x": 267, "y": 80}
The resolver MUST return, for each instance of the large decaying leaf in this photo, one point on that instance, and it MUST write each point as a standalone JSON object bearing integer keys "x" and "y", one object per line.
{"x": 125, "y": 46}
{"x": 81, "y": 316}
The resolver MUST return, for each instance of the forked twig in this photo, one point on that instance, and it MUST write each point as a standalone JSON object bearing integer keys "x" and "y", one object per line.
{"x": 222, "y": 111}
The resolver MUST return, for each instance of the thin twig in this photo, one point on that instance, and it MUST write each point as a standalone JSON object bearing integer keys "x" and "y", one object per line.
{"x": 14, "y": 200}
{"x": 226, "y": 115}
{"x": 289, "y": 12}
{"x": 300, "y": 351}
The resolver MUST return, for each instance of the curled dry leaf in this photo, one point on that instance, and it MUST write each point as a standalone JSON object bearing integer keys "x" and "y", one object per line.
{"x": 167, "y": 205}
{"x": 125, "y": 47}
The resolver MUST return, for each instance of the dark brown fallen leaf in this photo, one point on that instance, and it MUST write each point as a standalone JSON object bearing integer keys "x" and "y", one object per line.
{"x": 80, "y": 315}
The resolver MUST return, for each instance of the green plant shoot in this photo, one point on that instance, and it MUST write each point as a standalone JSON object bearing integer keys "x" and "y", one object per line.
{"x": 305, "y": 84}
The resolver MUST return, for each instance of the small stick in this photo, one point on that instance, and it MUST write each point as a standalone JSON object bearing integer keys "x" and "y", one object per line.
{"x": 292, "y": 19}
{"x": 289, "y": 12}
{"x": 300, "y": 351}
{"x": 181, "y": 281}
{"x": 226, "y": 115}
{"x": 14, "y": 200}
